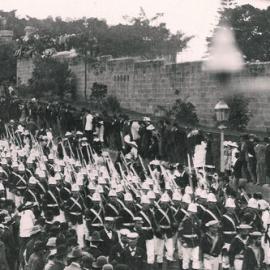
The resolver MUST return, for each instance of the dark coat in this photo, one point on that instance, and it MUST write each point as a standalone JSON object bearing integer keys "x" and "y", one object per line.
{"x": 107, "y": 243}
{"x": 35, "y": 262}
{"x": 3, "y": 259}
{"x": 115, "y": 254}
{"x": 135, "y": 262}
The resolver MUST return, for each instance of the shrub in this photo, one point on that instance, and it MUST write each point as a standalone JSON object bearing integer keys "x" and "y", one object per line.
{"x": 111, "y": 104}
{"x": 239, "y": 114}
{"x": 52, "y": 77}
{"x": 182, "y": 112}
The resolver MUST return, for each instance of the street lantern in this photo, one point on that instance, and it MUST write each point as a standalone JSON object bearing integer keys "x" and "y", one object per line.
{"x": 224, "y": 60}
{"x": 222, "y": 112}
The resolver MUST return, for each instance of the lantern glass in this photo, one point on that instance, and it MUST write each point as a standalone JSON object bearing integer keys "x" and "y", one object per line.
{"x": 222, "y": 111}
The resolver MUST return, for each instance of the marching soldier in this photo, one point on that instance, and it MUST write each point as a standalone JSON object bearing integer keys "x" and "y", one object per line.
{"x": 212, "y": 211}
{"x": 229, "y": 223}
{"x": 190, "y": 233}
{"x": 238, "y": 246}
{"x": 164, "y": 231}
{"x": 148, "y": 227}
{"x": 112, "y": 207}
{"x": 20, "y": 184}
{"x": 179, "y": 214}
{"x": 95, "y": 215}
{"x": 75, "y": 211}
{"x": 251, "y": 216}
{"x": 127, "y": 213}
{"x": 52, "y": 198}
{"x": 211, "y": 246}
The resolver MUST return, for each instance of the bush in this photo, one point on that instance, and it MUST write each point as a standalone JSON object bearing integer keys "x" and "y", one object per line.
{"x": 52, "y": 77}
{"x": 182, "y": 112}
{"x": 239, "y": 114}
{"x": 111, "y": 104}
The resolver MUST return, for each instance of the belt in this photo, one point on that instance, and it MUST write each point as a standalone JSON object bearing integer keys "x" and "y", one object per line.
{"x": 165, "y": 227}
{"x": 128, "y": 224}
{"x": 190, "y": 235}
{"x": 239, "y": 257}
{"x": 52, "y": 205}
{"x": 147, "y": 228}
{"x": 75, "y": 213}
{"x": 20, "y": 187}
{"x": 209, "y": 256}
{"x": 232, "y": 232}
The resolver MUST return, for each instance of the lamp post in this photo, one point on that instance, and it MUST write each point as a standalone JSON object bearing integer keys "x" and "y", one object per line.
{"x": 222, "y": 116}
{"x": 224, "y": 60}
{"x": 89, "y": 48}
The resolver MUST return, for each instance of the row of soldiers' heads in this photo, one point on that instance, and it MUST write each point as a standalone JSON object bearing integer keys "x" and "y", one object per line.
{"x": 147, "y": 193}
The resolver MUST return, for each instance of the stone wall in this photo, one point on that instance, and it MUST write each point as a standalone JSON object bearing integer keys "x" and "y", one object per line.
{"x": 144, "y": 85}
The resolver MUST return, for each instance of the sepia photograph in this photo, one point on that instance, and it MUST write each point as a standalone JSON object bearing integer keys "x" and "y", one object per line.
{"x": 135, "y": 134}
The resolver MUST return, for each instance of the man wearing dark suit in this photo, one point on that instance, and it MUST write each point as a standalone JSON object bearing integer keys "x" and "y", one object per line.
{"x": 109, "y": 237}
{"x": 133, "y": 256}
{"x": 117, "y": 249}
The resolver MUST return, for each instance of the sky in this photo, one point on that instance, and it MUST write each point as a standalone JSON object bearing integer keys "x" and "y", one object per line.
{"x": 193, "y": 17}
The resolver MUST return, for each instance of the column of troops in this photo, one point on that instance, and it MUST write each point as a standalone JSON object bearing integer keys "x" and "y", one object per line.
{"x": 65, "y": 205}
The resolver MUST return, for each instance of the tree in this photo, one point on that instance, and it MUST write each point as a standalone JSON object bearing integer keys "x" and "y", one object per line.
{"x": 7, "y": 63}
{"x": 111, "y": 104}
{"x": 182, "y": 112}
{"x": 251, "y": 26}
{"x": 52, "y": 77}
{"x": 239, "y": 114}
{"x": 139, "y": 36}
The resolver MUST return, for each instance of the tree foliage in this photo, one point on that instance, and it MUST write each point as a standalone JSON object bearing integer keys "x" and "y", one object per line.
{"x": 139, "y": 36}
{"x": 7, "y": 63}
{"x": 251, "y": 26}
{"x": 182, "y": 112}
{"x": 51, "y": 77}
{"x": 111, "y": 105}
{"x": 239, "y": 114}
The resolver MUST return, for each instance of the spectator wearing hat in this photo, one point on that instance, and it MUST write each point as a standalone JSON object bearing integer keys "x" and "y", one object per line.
{"x": 211, "y": 246}
{"x": 133, "y": 256}
{"x": 74, "y": 259}
{"x": 34, "y": 237}
{"x": 37, "y": 259}
{"x": 51, "y": 252}
{"x": 181, "y": 177}
{"x": 259, "y": 149}
{"x": 267, "y": 160}
{"x": 59, "y": 261}
{"x": 238, "y": 246}
{"x": 117, "y": 249}
{"x": 87, "y": 261}
{"x": 108, "y": 235}
{"x": 95, "y": 243}
{"x": 253, "y": 254}
{"x": 237, "y": 170}
{"x": 99, "y": 263}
